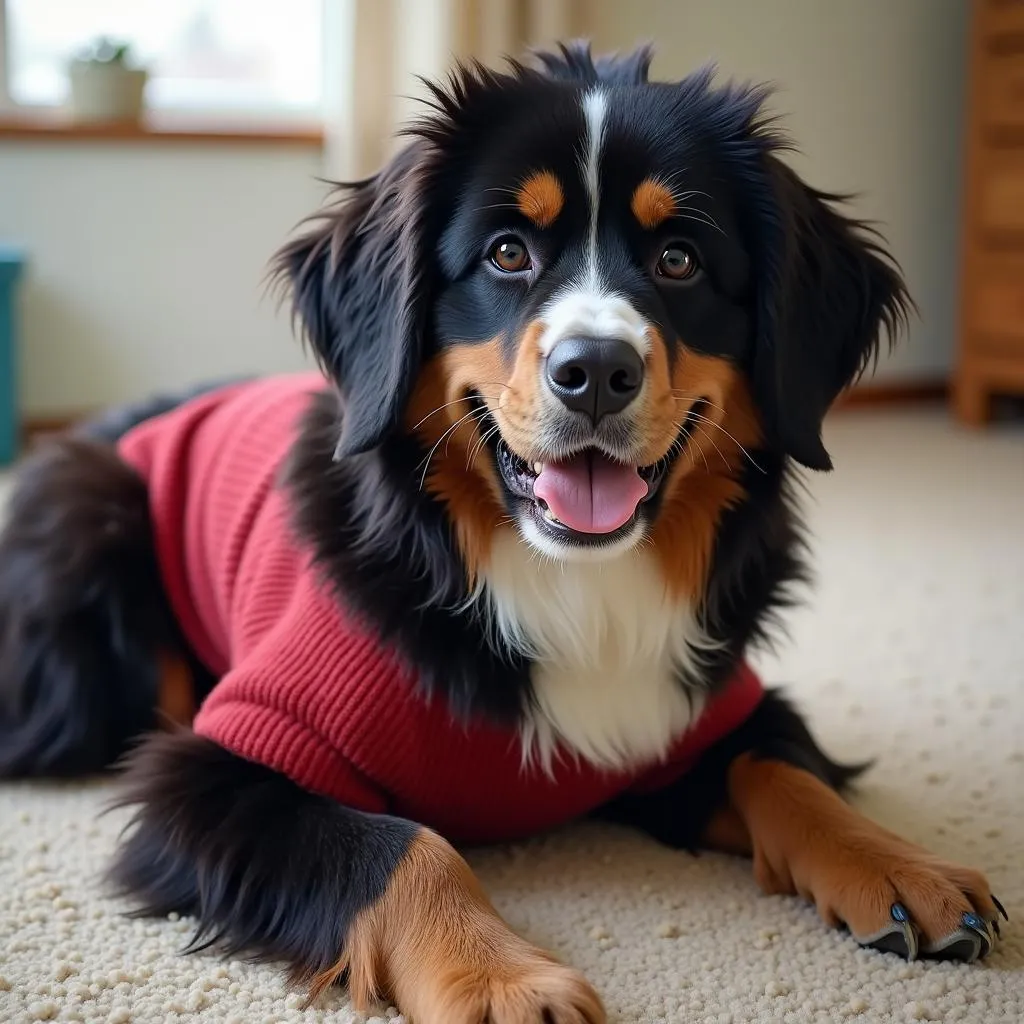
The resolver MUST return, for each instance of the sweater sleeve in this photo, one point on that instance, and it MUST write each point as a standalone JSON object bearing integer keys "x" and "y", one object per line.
{"x": 288, "y": 701}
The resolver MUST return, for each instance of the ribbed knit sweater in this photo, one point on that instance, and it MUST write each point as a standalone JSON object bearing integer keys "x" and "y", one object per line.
{"x": 308, "y": 690}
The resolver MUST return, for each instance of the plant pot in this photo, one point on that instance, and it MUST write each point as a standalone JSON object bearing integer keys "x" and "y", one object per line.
{"x": 106, "y": 92}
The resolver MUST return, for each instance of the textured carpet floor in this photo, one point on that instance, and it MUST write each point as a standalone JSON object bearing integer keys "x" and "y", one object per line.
{"x": 913, "y": 653}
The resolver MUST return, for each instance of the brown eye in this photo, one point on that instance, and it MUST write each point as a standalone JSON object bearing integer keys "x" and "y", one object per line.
{"x": 510, "y": 255}
{"x": 678, "y": 263}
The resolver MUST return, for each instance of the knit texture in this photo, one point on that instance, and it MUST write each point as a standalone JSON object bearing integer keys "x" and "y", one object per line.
{"x": 306, "y": 689}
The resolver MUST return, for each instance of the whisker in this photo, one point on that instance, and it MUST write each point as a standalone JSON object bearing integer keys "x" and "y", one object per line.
{"x": 680, "y": 427}
{"x": 480, "y": 445}
{"x": 703, "y": 433}
{"x": 694, "y": 192}
{"x": 437, "y": 444}
{"x": 750, "y": 458}
{"x": 705, "y": 419}
{"x": 680, "y": 397}
{"x": 705, "y": 218}
{"x": 711, "y": 423}
{"x": 446, "y": 405}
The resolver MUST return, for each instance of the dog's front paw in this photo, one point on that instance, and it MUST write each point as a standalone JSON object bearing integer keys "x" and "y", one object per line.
{"x": 505, "y": 981}
{"x": 436, "y": 947}
{"x": 896, "y": 897}
{"x": 939, "y": 911}
{"x": 892, "y": 895}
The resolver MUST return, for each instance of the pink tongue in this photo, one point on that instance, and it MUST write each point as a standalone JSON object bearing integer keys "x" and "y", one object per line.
{"x": 590, "y": 493}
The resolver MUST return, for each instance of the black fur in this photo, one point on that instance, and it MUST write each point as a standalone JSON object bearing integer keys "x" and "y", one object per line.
{"x": 828, "y": 291}
{"x": 267, "y": 868}
{"x": 356, "y": 284}
{"x": 82, "y": 613}
{"x": 82, "y": 609}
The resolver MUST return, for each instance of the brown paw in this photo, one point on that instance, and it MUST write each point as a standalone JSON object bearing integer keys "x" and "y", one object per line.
{"x": 516, "y": 985}
{"x": 436, "y": 947}
{"x": 892, "y": 895}
{"x": 897, "y": 898}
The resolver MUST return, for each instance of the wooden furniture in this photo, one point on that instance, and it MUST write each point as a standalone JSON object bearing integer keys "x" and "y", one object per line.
{"x": 991, "y": 349}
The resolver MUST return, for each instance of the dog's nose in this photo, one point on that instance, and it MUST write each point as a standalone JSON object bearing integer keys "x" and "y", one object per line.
{"x": 596, "y": 376}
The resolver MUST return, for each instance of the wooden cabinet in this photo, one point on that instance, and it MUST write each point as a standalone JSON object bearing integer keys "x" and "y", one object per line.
{"x": 990, "y": 359}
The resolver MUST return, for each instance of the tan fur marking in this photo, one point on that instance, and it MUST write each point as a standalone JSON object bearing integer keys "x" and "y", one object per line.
{"x": 459, "y": 473}
{"x": 703, "y": 483}
{"x": 727, "y": 833}
{"x": 807, "y": 840}
{"x": 458, "y": 465}
{"x": 653, "y": 203}
{"x": 177, "y": 700}
{"x": 436, "y": 946}
{"x": 540, "y": 198}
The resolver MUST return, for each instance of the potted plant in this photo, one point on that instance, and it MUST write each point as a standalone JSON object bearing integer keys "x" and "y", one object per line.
{"x": 105, "y": 84}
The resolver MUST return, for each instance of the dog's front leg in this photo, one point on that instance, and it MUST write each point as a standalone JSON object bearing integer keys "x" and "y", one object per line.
{"x": 891, "y": 894}
{"x": 280, "y": 873}
{"x": 435, "y": 945}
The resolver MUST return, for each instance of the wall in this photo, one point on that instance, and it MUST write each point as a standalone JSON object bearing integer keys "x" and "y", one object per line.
{"x": 146, "y": 263}
{"x": 874, "y": 93}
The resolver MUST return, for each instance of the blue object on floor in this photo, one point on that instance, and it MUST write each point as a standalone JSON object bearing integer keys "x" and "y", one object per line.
{"x": 11, "y": 263}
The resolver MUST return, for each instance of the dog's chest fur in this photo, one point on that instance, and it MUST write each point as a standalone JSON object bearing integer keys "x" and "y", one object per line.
{"x": 616, "y": 663}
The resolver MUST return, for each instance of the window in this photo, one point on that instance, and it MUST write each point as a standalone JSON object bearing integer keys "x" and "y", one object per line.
{"x": 236, "y": 58}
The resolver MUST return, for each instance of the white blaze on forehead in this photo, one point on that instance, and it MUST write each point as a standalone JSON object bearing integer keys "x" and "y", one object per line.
{"x": 595, "y": 107}
{"x": 585, "y": 307}
{"x": 583, "y": 312}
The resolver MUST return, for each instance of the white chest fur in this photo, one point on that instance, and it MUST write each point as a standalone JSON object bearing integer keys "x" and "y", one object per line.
{"x": 609, "y": 650}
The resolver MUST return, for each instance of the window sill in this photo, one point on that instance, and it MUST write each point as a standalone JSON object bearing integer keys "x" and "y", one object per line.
{"x": 160, "y": 129}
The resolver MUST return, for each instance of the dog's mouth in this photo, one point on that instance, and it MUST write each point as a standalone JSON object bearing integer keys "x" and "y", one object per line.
{"x": 587, "y": 497}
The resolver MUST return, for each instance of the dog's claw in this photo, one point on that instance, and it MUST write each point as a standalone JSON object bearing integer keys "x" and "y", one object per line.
{"x": 1000, "y": 908}
{"x": 974, "y": 941}
{"x": 900, "y": 937}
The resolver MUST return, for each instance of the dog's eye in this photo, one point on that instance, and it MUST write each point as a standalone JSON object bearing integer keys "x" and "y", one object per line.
{"x": 510, "y": 255}
{"x": 678, "y": 262}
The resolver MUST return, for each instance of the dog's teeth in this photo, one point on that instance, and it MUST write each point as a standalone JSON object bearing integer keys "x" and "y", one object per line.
{"x": 538, "y": 468}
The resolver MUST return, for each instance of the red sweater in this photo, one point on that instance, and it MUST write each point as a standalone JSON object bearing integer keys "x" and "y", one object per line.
{"x": 306, "y": 690}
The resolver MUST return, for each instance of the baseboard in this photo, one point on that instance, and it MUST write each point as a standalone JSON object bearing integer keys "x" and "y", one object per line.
{"x": 34, "y": 428}
{"x": 898, "y": 392}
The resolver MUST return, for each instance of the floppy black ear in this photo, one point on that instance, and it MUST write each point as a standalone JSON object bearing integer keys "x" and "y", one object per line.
{"x": 356, "y": 285}
{"x": 829, "y": 291}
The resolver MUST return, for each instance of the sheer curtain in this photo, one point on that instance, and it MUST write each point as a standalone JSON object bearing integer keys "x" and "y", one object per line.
{"x": 375, "y": 48}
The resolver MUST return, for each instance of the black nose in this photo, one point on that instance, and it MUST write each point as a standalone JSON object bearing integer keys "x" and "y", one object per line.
{"x": 596, "y": 376}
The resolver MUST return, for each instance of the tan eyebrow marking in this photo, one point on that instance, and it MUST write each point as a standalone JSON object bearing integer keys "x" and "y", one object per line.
{"x": 540, "y": 198}
{"x": 653, "y": 203}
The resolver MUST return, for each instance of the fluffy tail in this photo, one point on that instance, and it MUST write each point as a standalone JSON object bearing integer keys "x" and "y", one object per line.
{"x": 83, "y": 620}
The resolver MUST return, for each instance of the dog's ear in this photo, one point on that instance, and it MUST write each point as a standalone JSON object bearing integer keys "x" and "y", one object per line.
{"x": 357, "y": 284}
{"x": 828, "y": 293}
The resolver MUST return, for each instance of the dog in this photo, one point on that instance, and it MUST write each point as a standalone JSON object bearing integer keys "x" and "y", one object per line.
{"x": 496, "y": 567}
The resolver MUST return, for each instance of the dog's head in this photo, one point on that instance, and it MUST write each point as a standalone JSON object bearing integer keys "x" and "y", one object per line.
{"x": 589, "y": 296}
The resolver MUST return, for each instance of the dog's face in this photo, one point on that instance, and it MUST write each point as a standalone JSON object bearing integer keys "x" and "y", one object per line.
{"x": 579, "y": 290}
{"x": 593, "y": 300}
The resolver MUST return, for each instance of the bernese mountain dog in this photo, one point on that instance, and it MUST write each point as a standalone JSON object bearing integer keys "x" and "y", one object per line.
{"x": 495, "y": 568}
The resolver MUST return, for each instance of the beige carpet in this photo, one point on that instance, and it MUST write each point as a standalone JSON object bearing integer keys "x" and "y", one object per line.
{"x": 913, "y": 653}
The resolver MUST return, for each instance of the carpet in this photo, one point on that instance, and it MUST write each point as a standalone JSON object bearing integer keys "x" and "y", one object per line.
{"x": 912, "y": 653}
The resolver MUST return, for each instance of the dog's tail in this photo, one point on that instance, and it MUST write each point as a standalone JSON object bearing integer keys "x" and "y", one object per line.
{"x": 85, "y": 629}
